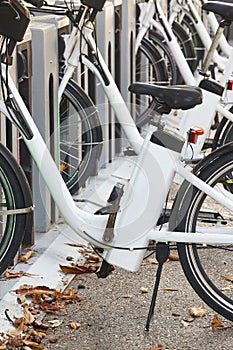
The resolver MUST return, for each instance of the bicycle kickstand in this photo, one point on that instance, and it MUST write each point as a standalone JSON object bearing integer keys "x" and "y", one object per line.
{"x": 162, "y": 254}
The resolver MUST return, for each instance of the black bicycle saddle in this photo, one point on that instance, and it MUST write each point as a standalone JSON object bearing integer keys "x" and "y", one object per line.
{"x": 223, "y": 9}
{"x": 175, "y": 96}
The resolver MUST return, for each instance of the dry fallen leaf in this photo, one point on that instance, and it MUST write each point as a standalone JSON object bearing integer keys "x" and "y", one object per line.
{"x": 29, "y": 318}
{"x": 153, "y": 261}
{"x": 28, "y": 290}
{"x": 144, "y": 290}
{"x": 38, "y": 334}
{"x": 9, "y": 274}
{"x": 33, "y": 344}
{"x": 170, "y": 289}
{"x": 27, "y": 256}
{"x": 78, "y": 269}
{"x": 158, "y": 347}
{"x": 188, "y": 319}
{"x": 227, "y": 287}
{"x": 79, "y": 245}
{"x": 216, "y": 323}
{"x": 50, "y": 308}
{"x": 92, "y": 257}
{"x": 184, "y": 323}
{"x": 55, "y": 323}
{"x": 173, "y": 257}
{"x": 74, "y": 325}
{"x": 127, "y": 296}
{"x": 14, "y": 332}
{"x": 228, "y": 278}
{"x": 21, "y": 299}
{"x": 197, "y": 311}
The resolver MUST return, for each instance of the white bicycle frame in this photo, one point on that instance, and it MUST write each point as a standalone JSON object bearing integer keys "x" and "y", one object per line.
{"x": 201, "y": 115}
{"x": 136, "y": 220}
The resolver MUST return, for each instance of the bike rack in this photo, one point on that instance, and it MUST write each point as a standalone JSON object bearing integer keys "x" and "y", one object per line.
{"x": 106, "y": 31}
{"x": 44, "y": 87}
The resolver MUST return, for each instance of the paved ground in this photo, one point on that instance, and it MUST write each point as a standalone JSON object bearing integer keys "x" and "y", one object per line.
{"x": 114, "y": 312}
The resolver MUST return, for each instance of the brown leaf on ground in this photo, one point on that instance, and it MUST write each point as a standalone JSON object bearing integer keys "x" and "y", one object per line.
{"x": 144, "y": 290}
{"x": 14, "y": 332}
{"x": 49, "y": 308}
{"x": 78, "y": 269}
{"x": 33, "y": 344}
{"x": 92, "y": 257}
{"x": 27, "y": 256}
{"x": 173, "y": 257}
{"x": 230, "y": 286}
{"x": 79, "y": 245}
{"x": 34, "y": 290}
{"x": 29, "y": 318}
{"x": 170, "y": 289}
{"x": 153, "y": 261}
{"x": 228, "y": 278}
{"x": 68, "y": 295}
{"x": 9, "y": 274}
{"x": 21, "y": 298}
{"x": 55, "y": 323}
{"x": 197, "y": 311}
{"x": 216, "y": 323}
{"x": 158, "y": 347}
{"x": 74, "y": 325}
{"x": 41, "y": 335}
{"x": 188, "y": 319}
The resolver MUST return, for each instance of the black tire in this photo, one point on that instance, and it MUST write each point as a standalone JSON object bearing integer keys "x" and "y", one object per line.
{"x": 187, "y": 48}
{"x": 15, "y": 194}
{"x": 224, "y": 132}
{"x": 189, "y": 27}
{"x": 80, "y": 137}
{"x": 160, "y": 43}
{"x": 150, "y": 68}
{"x": 206, "y": 265}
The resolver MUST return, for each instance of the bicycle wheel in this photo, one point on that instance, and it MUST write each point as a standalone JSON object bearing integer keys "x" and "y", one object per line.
{"x": 150, "y": 68}
{"x": 80, "y": 137}
{"x": 189, "y": 27}
{"x": 187, "y": 47}
{"x": 14, "y": 194}
{"x": 208, "y": 266}
{"x": 160, "y": 43}
{"x": 224, "y": 132}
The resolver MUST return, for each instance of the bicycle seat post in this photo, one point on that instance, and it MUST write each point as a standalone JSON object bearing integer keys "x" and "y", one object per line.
{"x": 214, "y": 45}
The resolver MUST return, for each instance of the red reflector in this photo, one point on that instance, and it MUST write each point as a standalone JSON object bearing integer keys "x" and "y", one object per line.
{"x": 230, "y": 85}
{"x": 193, "y": 134}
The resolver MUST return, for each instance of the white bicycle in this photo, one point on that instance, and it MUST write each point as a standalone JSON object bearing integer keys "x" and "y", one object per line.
{"x": 136, "y": 207}
{"x": 217, "y": 97}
